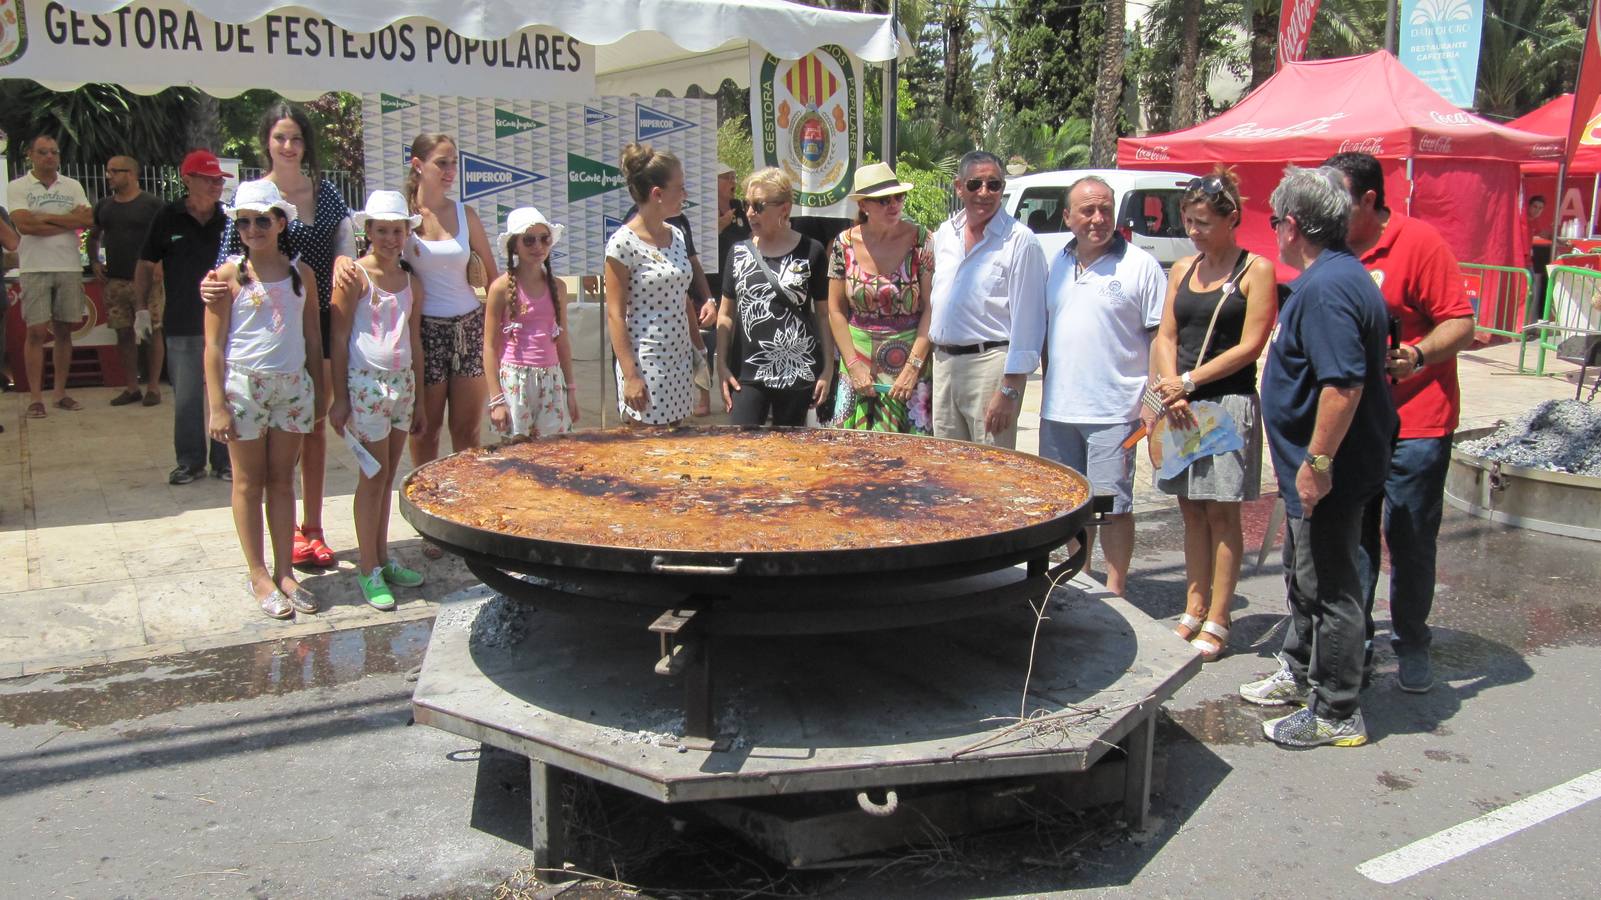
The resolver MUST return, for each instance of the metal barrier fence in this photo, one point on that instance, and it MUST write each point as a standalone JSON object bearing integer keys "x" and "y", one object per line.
{"x": 1572, "y": 310}
{"x": 1502, "y": 298}
{"x": 163, "y": 181}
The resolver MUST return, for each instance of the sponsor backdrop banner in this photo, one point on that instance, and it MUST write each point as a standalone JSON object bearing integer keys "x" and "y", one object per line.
{"x": 808, "y": 115}
{"x": 1440, "y": 45}
{"x": 1295, "y": 28}
{"x": 294, "y": 50}
{"x": 560, "y": 157}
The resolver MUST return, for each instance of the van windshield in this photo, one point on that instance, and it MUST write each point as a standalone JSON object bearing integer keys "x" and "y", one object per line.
{"x": 1041, "y": 209}
{"x": 1154, "y": 212}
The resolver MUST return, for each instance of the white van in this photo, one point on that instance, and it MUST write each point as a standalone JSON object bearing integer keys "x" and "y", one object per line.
{"x": 1147, "y": 206}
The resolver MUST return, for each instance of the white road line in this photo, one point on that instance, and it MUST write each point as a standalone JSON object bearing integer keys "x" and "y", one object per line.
{"x": 1460, "y": 840}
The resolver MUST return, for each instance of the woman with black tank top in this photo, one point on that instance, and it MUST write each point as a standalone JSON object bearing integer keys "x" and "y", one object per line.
{"x": 1220, "y": 308}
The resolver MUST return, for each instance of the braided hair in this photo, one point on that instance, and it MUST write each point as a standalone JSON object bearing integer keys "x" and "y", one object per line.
{"x": 283, "y": 247}
{"x": 512, "y": 309}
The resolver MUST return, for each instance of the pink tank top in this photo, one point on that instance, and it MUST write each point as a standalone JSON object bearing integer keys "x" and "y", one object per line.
{"x": 531, "y": 337}
{"x": 379, "y": 338}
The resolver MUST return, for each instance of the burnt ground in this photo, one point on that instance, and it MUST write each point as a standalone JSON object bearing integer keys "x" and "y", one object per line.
{"x": 289, "y": 769}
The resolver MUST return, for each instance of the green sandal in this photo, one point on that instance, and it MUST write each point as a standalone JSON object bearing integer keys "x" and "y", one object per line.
{"x": 375, "y": 590}
{"x": 400, "y": 576}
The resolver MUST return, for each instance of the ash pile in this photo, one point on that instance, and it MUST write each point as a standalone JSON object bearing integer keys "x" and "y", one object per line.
{"x": 1557, "y": 435}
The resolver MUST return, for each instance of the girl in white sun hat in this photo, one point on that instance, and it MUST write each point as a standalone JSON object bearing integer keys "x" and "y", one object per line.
{"x": 528, "y": 361}
{"x": 377, "y": 367}
{"x": 262, "y": 396}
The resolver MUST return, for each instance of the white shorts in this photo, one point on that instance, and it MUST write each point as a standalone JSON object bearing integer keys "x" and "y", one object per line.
{"x": 381, "y": 401}
{"x": 262, "y": 400}
{"x": 536, "y": 399}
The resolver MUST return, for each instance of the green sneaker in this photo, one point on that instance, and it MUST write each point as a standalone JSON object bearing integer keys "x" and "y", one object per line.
{"x": 375, "y": 590}
{"x": 400, "y": 576}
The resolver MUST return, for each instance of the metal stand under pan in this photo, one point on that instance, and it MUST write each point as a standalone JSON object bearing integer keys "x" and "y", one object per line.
{"x": 903, "y": 719}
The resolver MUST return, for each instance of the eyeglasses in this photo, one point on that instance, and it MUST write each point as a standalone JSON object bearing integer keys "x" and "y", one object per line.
{"x": 243, "y": 222}
{"x": 993, "y": 184}
{"x": 534, "y": 240}
{"x": 760, "y": 206}
{"x": 116, "y": 171}
{"x": 1274, "y": 222}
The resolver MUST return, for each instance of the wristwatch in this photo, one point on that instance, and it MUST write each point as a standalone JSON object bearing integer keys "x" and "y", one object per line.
{"x": 1189, "y": 383}
{"x": 1321, "y": 463}
{"x": 1009, "y": 392}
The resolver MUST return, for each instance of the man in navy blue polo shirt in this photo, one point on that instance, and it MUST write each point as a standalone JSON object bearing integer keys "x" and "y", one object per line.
{"x": 1330, "y": 425}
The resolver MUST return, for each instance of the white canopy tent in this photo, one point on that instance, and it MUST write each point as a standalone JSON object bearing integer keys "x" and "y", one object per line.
{"x": 639, "y": 46}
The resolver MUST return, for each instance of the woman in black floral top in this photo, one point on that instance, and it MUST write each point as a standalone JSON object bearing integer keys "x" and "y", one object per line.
{"x": 774, "y": 351}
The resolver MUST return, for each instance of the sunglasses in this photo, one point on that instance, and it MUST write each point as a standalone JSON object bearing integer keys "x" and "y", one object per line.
{"x": 116, "y": 171}
{"x": 1210, "y": 185}
{"x": 885, "y": 201}
{"x": 1275, "y": 221}
{"x": 243, "y": 222}
{"x": 760, "y": 206}
{"x": 993, "y": 184}
{"x": 534, "y": 240}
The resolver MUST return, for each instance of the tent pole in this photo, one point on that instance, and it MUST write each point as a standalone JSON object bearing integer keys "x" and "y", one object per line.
{"x": 1556, "y": 227}
{"x": 891, "y": 83}
{"x": 1595, "y": 196}
{"x": 1411, "y": 186}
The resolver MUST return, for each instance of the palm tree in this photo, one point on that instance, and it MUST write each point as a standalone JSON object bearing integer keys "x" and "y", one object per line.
{"x": 1109, "y": 87}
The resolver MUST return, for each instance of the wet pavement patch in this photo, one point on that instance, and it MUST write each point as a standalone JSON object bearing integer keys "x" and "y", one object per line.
{"x": 102, "y": 695}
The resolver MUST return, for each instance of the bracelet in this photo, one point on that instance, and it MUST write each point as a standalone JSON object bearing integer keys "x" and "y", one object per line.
{"x": 570, "y": 388}
{"x": 858, "y": 358}
{"x": 1418, "y": 349}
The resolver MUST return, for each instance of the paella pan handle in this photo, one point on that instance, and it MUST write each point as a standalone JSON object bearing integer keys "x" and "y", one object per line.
{"x": 661, "y": 566}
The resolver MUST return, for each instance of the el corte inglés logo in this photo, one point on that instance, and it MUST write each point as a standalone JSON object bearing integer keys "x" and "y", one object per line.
{"x": 390, "y": 103}
{"x": 509, "y": 123}
{"x": 588, "y": 178}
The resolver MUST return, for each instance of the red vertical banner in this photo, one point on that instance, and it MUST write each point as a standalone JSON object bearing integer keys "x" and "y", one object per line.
{"x": 1295, "y": 27}
{"x": 1587, "y": 88}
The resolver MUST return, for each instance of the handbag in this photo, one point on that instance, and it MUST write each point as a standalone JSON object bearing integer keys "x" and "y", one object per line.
{"x": 477, "y": 276}
{"x": 788, "y": 296}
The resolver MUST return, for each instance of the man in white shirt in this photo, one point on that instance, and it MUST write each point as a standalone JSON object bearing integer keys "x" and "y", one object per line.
{"x": 1103, "y": 301}
{"x": 49, "y": 210}
{"x": 989, "y": 278}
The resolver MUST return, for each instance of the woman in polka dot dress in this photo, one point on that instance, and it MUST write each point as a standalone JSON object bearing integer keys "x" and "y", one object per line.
{"x": 647, "y": 275}
{"x": 317, "y": 240}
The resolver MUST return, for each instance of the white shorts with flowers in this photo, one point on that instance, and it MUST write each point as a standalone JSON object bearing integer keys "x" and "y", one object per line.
{"x": 381, "y": 401}
{"x": 262, "y": 400}
{"x": 536, "y": 399}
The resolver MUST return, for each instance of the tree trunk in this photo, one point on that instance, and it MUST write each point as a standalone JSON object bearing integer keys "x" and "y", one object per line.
{"x": 204, "y": 128}
{"x": 1264, "y": 41}
{"x": 1108, "y": 89}
{"x": 955, "y": 27}
{"x": 1184, "y": 81}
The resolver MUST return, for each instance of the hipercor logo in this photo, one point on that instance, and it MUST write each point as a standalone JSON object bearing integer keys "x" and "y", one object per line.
{"x": 593, "y": 116}
{"x": 388, "y": 103}
{"x": 653, "y": 123}
{"x": 481, "y": 176}
{"x": 587, "y": 178}
{"x": 509, "y": 123}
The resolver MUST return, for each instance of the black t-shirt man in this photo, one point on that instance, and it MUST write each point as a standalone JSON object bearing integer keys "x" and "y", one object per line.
{"x": 187, "y": 250}
{"x": 123, "y": 227}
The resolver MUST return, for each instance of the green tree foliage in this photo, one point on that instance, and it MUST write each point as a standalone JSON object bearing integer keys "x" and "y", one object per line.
{"x": 93, "y": 123}
{"x": 734, "y": 147}
{"x": 1046, "y": 71}
{"x": 1529, "y": 54}
{"x": 1157, "y": 57}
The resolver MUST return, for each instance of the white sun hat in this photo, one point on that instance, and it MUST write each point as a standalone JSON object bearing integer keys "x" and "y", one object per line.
{"x": 259, "y": 196}
{"x": 386, "y": 206}
{"x": 523, "y": 218}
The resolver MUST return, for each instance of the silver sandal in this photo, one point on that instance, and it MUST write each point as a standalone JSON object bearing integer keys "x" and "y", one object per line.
{"x": 303, "y": 601}
{"x": 275, "y": 604}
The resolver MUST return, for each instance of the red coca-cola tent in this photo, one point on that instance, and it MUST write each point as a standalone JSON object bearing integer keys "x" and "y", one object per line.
{"x": 1443, "y": 165}
{"x": 1584, "y": 173}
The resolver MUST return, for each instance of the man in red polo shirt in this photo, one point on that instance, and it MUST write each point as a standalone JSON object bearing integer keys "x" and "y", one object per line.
{"x": 1422, "y": 287}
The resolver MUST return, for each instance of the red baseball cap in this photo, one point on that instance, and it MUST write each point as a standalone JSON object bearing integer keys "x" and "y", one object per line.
{"x": 201, "y": 162}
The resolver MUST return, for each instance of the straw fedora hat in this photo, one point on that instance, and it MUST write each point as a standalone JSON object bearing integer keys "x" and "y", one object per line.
{"x": 877, "y": 180}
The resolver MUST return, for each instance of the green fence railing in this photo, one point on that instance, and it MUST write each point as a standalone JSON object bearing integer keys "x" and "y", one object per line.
{"x": 1572, "y": 308}
{"x": 1502, "y": 296}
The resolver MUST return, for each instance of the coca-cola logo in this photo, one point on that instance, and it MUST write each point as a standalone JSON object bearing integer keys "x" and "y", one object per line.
{"x": 1155, "y": 151}
{"x": 1371, "y": 146}
{"x": 1434, "y": 143}
{"x": 1295, "y": 29}
{"x": 1253, "y": 130}
{"x": 1452, "y": 120}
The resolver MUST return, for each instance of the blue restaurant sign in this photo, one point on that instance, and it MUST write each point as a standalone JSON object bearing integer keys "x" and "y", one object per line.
{"x": 1440, "y": 44}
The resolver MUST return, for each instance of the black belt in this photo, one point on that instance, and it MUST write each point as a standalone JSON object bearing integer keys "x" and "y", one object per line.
{"x": 967, "y": 349}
